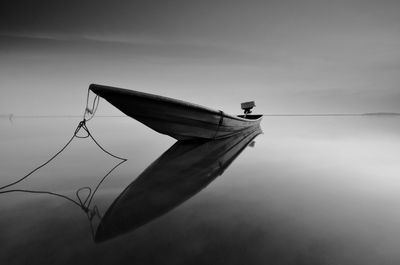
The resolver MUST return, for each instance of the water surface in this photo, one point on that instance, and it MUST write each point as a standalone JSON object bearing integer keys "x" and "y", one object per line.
{"x": 313, "y": 190}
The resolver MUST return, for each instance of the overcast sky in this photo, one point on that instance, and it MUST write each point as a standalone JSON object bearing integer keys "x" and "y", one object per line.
{"x": 311, "y": 56}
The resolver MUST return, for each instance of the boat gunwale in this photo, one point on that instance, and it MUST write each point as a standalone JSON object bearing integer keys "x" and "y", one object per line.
{"x": 145, "y": 95}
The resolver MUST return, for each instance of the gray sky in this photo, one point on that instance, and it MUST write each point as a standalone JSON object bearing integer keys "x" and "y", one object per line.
{"x": 290, "y": 56}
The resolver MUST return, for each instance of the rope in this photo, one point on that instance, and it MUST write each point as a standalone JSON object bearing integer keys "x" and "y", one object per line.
{"x": 42, "y": 165}
{"x": 85, "y": 203}
{"x": 41, "y": 192}
{"x": 89, "y": 112}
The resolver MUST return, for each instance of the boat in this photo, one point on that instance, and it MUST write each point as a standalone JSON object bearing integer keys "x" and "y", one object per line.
{"x": 182, "y": 171}
{"x": 176, "y": 118}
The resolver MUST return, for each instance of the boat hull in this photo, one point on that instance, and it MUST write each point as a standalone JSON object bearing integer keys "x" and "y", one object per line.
{"x": 179, "y": 119}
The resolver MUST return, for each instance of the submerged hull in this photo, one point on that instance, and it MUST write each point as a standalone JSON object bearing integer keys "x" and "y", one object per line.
{"x": 179, "y": 119}
{"x": 181, "y": 172}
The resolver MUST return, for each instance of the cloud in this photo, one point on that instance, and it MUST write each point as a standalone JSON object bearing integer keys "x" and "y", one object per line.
{"x": 107, "y": 45}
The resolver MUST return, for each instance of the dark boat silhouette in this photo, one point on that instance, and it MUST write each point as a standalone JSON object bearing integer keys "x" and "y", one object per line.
{"x": 182, "y": 171}
{"x": 178, "y": 119}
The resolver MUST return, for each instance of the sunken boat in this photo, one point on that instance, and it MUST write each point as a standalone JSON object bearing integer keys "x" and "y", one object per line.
{"x": 179, "y": 119}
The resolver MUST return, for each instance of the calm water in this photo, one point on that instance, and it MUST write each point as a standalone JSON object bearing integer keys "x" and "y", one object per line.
{"x": 313, "y": 190}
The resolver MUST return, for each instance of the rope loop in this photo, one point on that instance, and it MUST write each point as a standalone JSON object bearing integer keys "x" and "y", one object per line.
{"x": 77, "y": 193}
{"x": 82, "y": 125}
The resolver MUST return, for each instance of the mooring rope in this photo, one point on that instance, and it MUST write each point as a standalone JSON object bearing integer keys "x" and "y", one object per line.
{"x": 88, "y": 114}
{"x": 85, "y": 203}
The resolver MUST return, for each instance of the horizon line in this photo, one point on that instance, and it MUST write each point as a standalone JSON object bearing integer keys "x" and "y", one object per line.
{"x": 12, "y": 116}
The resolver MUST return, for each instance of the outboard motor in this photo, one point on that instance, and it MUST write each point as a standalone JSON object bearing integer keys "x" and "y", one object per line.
{"x": 247, "y": 106}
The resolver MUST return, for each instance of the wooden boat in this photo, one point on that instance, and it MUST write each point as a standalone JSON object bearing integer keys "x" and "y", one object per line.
{"x": 182, "y": 171}
{"x": 179, "y": 119}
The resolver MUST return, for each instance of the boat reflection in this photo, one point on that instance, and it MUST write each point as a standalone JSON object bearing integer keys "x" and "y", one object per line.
{"x": 183, "y": 170}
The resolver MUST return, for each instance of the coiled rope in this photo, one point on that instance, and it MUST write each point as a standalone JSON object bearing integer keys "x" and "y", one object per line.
{"x": 85, "y": 203}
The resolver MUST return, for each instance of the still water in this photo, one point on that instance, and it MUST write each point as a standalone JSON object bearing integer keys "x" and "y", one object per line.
{"x": 310, "y": 190}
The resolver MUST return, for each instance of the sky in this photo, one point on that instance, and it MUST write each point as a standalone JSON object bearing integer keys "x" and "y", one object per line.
{"x": 311, "y": 56}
